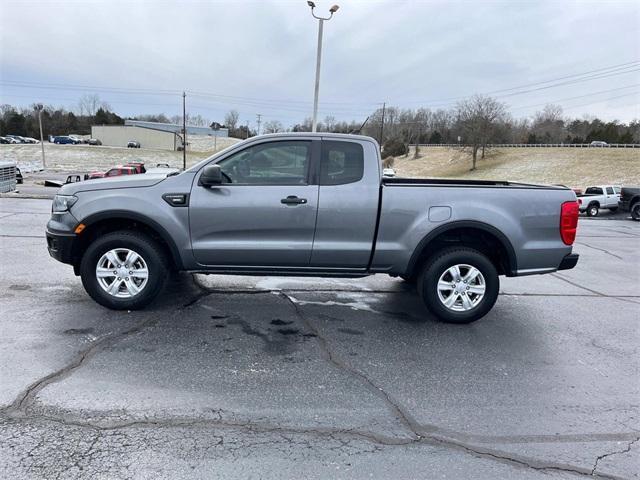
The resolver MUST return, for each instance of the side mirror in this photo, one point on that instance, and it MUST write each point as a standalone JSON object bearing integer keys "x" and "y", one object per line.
{"x": 211, "y": 175}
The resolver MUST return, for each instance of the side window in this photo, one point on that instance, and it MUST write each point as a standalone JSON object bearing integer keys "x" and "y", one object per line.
{"x": 276, "y": 163}
{"x": 617, "y": 190}
{"x": 341, "y": 163}
{"x": 609, "y": 190}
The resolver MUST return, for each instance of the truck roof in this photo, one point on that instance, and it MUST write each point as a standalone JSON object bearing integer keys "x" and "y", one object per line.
{"x": 316, "y": 134}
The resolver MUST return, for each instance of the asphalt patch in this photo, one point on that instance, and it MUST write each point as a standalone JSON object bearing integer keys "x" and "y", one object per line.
{"x": 78, "y": 331}
{"x": 351, "y": 331}
{"x": 279, "y": 322}
{"x": 288, "y": 331}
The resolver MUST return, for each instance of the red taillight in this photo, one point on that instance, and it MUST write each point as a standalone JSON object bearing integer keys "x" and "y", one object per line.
{"x": 568, "y": 222}
{"x": 579, "y": 201}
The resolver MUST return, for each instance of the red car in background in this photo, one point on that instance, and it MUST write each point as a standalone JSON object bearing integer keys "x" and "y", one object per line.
{"x": 114, "y": 172}
{"x": 139, "y": 166}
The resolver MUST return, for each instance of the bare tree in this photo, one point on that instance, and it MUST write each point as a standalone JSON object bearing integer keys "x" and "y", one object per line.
{"x": 330, "y": 123}
{"x": 478, "y": 118}
{"x": 90, "y": 103}
{"x": 548, "y": 125}
{"x": 231, "y": 120}
{"x": 198, "y": 121}
{"x": 273, "y": 126}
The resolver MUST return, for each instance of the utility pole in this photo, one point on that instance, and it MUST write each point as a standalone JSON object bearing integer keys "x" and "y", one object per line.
{"x": 382, "y": 125}
{"x": 184, "y": 130}
{"x": 332, "y": 10}
{"x": 259, "y": 115}
{"x": 39, "y": 107}
{"x": 247, "y": 130}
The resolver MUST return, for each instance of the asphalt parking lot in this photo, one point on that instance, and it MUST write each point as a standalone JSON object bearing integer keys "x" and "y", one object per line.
{"x": 243, "y": 377}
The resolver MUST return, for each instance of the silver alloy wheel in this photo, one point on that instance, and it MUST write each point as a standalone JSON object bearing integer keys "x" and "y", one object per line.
{"x": 122, "y": 273}
{"x": 461, "y": 287}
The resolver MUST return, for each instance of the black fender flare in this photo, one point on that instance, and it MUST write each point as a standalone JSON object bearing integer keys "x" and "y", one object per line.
{"x": 512, "y": 267}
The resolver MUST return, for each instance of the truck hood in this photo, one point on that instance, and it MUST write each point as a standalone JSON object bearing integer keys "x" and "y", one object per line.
{"x": 124, "y": 181}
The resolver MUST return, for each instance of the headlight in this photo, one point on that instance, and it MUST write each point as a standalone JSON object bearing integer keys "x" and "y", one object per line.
{"x": 62, "y": 203}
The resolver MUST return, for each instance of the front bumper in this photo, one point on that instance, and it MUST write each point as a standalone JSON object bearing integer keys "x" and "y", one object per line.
{"x": 60, "y": 246}
{"x": 569, "y": 261}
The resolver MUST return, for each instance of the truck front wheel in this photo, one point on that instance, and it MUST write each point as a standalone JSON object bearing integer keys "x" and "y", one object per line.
{"x": 459, "y": 285}
{"x": 124, "y": 270}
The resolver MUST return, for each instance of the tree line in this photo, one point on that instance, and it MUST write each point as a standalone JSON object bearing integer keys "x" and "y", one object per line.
{"x": 57, "y": 120}
{"x": 474, "y": 122}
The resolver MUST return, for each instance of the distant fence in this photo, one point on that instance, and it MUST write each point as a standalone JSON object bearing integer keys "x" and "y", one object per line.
{"x": 535, "y": 145}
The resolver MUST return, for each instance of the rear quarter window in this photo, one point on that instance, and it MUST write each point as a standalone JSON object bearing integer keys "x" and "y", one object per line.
{"x": 341, "y": 163}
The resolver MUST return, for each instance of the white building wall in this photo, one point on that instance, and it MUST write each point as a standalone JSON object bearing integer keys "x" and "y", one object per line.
{"x": 120, "y": 135}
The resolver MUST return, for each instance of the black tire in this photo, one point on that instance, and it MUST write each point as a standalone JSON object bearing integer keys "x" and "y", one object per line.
{"x": 593, "y": 210}
{"x": 440, "y": 263}
{"x": 153, "y": 255}
{"x": 635, "y": 211}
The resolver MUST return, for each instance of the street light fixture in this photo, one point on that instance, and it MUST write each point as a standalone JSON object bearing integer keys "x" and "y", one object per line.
{"x": 321, "y": 20}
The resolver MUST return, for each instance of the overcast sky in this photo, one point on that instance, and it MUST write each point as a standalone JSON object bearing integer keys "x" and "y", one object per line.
{"x": 259, "y": 57}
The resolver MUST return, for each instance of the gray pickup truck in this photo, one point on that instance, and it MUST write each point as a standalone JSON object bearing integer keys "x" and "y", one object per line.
{"x": 315, "y": 205}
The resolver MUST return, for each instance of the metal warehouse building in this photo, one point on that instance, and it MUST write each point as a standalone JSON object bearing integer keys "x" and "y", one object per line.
{"x": 165, "y": 136}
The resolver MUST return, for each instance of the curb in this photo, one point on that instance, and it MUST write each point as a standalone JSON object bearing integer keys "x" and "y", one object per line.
{"x": 33, "y": 196}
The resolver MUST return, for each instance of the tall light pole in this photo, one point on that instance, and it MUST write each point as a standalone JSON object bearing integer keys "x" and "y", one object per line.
{"x": 184, "y": 130}
{"x": 39, "y": 108}
{"x": 332, "y": 10}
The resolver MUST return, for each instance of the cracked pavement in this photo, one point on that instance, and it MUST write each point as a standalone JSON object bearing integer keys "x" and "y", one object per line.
{"x": 250, "y": 377}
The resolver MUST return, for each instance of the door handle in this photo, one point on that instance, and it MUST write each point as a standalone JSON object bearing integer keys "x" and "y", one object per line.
{"x": 293, "y": 200}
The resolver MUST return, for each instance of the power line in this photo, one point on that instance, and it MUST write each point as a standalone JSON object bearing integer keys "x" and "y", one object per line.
{"x": 604, "y": 100}
{"x": 614, "y": 69}
{"x": 603, "y": 72}
{"x": 578, "y": 96}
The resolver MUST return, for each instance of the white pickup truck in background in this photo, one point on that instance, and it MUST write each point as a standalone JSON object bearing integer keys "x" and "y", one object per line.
{"x": 600, "y": 196}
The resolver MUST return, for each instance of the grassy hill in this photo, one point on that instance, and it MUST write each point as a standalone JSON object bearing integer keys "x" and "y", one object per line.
{"x": 575, "y": 167}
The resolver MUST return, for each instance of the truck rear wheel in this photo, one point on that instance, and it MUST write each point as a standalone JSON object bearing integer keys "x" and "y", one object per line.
{"x": 459, "y": 285}
{"x": 124, "y": 270}
{"x": 635, "y": 211}
{"x": 593, "y": 210}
